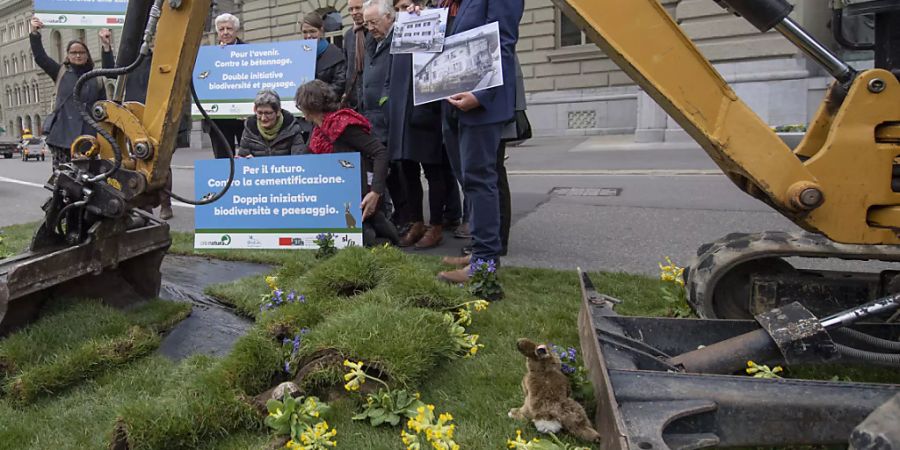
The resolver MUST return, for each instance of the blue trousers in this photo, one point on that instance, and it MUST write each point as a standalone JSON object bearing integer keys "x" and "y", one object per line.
{"x": 472, "y": 150}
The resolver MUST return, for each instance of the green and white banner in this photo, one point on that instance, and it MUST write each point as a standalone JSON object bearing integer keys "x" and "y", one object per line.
{"x": 81, "y": 13}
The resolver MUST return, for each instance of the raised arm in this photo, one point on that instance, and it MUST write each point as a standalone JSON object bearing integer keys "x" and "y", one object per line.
{"x": 44, "y": 61}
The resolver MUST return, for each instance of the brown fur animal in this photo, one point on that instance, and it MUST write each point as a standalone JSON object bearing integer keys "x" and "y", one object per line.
{"x": 547, "y": 391}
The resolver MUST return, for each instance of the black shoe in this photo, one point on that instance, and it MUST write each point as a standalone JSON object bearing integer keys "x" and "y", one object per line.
{"x": 451, "y": 224}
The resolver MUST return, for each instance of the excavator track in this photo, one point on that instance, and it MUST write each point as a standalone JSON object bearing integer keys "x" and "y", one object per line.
{"x": 720, "y": 280}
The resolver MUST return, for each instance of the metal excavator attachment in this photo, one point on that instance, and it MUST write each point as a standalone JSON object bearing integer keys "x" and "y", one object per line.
{"x": 88, "y": 245}
{"x": 96, "y": 239}
{"x": 665, "y": 383}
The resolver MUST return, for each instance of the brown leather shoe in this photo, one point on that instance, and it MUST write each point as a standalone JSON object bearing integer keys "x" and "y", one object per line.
{"x": 416, "y": 231}
{"x": 432, "y": 238}
{"x": 457, "y": 260}
{"x": 457, "y": 276}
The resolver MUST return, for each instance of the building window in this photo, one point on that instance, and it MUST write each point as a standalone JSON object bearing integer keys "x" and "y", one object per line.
{"x": 18, "y": 96}
{"x": 35, "y": 92}
{"x": 57, "y": 44}
{"x": 8, "y": 98}
{"x": 6, "y": 66}
{"x": 21, "y": 30}
{"x": 15, "y": 66}
{"x": 569, "y": 33}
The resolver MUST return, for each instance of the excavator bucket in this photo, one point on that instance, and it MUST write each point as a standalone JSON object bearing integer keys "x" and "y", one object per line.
{"x": 645, "y": 401}
{"x": 116, "y": 264}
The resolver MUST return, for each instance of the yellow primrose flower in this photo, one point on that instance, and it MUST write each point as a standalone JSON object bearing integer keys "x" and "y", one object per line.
{"x": 272, "y": 282}
{"x": 318, "y": 437}
{"x": 480, "y": 305}
{"x": 355, "y": 377}
{"x": 465, "y": 316}
{"x": 293, "y": 445}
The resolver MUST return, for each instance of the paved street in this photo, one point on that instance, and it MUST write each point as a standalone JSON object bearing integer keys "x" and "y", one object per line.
{"x": 638, "y": 203}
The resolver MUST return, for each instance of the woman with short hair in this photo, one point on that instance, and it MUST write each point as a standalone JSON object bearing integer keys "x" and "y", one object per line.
{"x": 342, "y": 131}
{"x": 270, "y": 131}
{"x": 330, "y": 64}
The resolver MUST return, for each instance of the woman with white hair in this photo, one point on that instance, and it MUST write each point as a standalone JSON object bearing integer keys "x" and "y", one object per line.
{"x": 270, "y": 131}
{"x": 227, "y": 26}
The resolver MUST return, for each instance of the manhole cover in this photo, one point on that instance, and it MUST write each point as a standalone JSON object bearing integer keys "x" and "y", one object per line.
{"x": 586, "y": 192}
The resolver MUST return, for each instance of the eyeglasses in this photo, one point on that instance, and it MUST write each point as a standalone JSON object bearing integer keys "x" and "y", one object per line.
{"x": 78, "y": 53}
{"x": 372, "y": 23}
{"x": 266, "y": 113}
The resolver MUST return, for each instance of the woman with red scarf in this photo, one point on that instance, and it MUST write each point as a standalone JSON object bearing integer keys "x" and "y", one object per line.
{"x": 345, "y": 130}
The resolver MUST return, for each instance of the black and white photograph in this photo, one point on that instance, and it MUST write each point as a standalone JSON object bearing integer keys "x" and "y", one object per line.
{"x": 423, "y": 32}
{"x": 470, "y": 62}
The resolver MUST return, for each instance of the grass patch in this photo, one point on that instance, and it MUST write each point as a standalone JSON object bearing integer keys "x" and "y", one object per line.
{"x": 61, "y": 329}
{"x": 381, "y": 306}
{"x": 16, "y": 238}
{"x": 350, "y": 272}
{"x": 61, "y": 350}
{"x": 408, "y": 344}
{"x": 194, "y": 410}
{"x": 84, "y": 362}
{"x": 83, "y": 417}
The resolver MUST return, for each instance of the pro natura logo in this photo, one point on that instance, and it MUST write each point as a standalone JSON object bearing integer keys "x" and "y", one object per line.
{"x": 224, "y": 241}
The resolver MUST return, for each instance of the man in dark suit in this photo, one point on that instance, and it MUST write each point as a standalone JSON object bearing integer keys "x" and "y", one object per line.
{"x": 355, "y": 40}
{"x": 473, "y": 123}
{"x": 379, "y": 20}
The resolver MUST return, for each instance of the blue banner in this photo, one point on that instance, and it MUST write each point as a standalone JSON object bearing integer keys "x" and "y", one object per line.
{"x": 227, "y": 78}
{"x": 81, "y": 13}
{"x": 279, "y": 201}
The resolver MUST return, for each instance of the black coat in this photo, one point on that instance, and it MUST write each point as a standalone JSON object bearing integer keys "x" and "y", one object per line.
{"x": 414, "y": 132}
{"x": 332, "y": 69}
{"x": 350, "y": 59}
{"x": 288, "y": 141}
{"x": 65, "y": 123}
{"x": 378, "y": 64}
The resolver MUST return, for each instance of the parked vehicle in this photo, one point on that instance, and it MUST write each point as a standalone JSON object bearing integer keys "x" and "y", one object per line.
{"x": 8, "y": 147}
{"x": 33, "y": 148}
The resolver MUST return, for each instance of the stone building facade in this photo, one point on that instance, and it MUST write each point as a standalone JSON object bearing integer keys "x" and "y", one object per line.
{"x": 572, "y": 88}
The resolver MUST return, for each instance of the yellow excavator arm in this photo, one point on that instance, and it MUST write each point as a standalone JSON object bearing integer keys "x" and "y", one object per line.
{"x": 838, "y": 182}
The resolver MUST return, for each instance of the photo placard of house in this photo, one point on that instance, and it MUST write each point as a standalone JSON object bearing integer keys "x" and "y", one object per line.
{"x": 420, "y": 33}
{"x": 470, "y": 62}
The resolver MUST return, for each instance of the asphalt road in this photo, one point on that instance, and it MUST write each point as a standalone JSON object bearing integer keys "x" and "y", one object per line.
{"x": 632, "y": 206}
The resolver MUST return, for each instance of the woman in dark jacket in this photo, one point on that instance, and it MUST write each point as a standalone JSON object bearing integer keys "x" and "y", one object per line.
{"x": 65, "y": 122}
{"x": 342, "y": 131}
{"x": 330, "y": 64}
{"x": 270, "y": 132}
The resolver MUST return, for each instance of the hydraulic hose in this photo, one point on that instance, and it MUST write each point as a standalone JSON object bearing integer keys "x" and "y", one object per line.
{"x": 881, "y": 359}
{"x": 214, "y": 128}
{"x": 89, "y": 119}
{"x": 874, "y": 341}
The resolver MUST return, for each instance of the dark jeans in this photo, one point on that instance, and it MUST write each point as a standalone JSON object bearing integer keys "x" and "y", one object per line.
{"x": 477, "y": 148}
{"x": 232, "y": 129}
{"x": 503, "y": 187}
